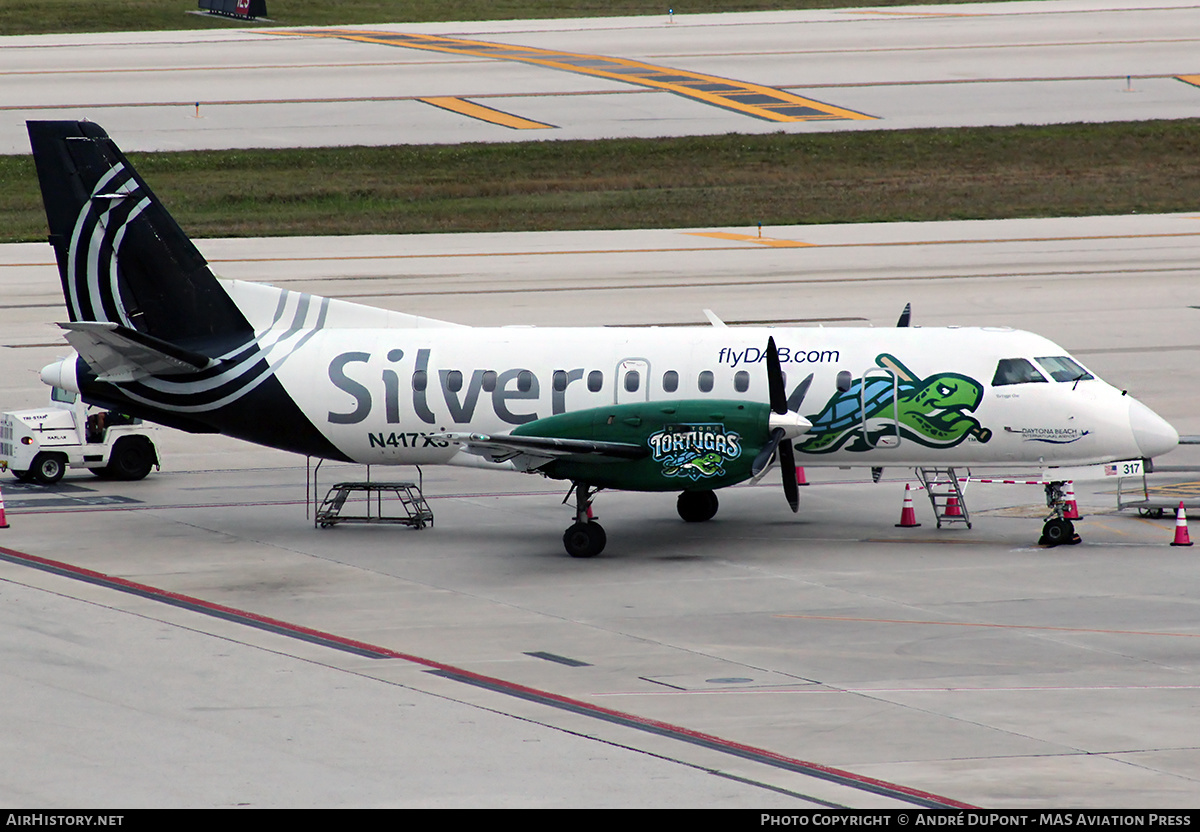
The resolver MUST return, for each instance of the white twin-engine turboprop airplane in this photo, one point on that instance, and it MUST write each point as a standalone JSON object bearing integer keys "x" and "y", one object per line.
{"x": 674, "y": 409}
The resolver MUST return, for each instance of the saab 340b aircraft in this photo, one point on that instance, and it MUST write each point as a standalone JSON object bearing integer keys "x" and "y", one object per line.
{"x": 691, "y": 410}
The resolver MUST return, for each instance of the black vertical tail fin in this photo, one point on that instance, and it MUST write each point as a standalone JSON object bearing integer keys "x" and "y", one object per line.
{"x": 156, "y": 332}
{"x": 122, "y": 258}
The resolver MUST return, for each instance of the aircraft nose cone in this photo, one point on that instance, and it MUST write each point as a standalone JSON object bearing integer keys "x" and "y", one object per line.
{"x": 1153, "y": 434}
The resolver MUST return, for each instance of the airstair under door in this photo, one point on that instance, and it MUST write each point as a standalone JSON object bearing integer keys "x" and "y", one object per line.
{"x": 944, "y": 489}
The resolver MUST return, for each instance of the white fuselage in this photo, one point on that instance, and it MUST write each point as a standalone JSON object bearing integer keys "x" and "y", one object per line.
{"x": 382, "y": 396}
{"x": 383, "y": 387}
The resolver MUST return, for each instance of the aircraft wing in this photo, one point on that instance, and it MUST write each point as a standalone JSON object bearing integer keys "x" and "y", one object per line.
{"x": 119, "y": 354}
{"x": 502, "y": 447}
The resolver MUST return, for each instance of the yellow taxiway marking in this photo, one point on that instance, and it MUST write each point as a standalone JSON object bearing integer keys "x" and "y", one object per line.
{"x": 489, "y": 114}
{"x": 887, "y": 13}
{"x": 750, "y": 238}
{"x": 1180, "y": 490}
{"x": 749, "y": 99}
{"x": 991, "y": 626}
{"x": 1194, "y": 80}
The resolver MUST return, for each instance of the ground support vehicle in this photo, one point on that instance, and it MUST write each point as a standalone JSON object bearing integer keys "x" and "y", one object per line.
{"x": 40, "y": 445}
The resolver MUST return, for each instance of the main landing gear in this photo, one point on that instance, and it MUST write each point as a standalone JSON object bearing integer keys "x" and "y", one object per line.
{"x": 1058, "y": 530}
{"x": 586, "y": 538}
{"x": 697, "y": 506}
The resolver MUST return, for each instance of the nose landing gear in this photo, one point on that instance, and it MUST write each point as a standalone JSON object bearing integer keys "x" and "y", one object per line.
{"x": 1058, "y": 530}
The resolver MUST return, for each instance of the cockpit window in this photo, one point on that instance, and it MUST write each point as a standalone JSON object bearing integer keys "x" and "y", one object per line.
{"x": 1062, "y": 368}
{"x": 1015, "y": 371}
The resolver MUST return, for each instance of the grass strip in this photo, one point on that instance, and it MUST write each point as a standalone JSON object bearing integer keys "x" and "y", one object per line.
{"x": 28, "y": 17}
{"x": 712, "y": 181}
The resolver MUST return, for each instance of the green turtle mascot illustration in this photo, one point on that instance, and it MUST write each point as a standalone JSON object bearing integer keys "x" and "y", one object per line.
{"x": 930, "y": 411}
{"x": 707, "y": 465}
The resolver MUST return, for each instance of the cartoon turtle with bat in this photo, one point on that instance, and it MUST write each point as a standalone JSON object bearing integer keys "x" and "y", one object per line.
{"x": 931, "y": 411}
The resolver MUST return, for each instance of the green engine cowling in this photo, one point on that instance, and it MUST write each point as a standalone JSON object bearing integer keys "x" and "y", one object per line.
{"x": 691, "y": 444}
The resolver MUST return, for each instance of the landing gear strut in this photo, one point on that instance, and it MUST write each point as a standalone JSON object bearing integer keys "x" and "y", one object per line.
{"x": 1058, "y": 530}
{"x": 586, "y": 538}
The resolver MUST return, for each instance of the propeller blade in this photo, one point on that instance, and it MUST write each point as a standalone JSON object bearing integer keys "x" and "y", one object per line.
{"x": 797, "y": 398}
{"x": 764, "y": 456}
{"x": 775, "y": 379}
{"x": 787, "y": 464}
{"x": 783, "y": 405}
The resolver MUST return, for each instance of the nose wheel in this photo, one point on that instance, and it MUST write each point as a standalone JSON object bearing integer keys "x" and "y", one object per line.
{"x": 586, "y": 538}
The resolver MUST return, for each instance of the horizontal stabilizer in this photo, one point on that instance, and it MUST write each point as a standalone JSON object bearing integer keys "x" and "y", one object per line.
{"x": 118, "y": 354}
{"x": 499, "y": 447}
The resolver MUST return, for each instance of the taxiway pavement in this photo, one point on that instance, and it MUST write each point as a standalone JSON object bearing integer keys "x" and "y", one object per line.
{"x": 961, "y": 667}
{"x": 1052, "y": 61}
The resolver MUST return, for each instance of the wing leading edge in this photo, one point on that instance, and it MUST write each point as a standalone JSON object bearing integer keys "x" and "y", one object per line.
{"x": 541, "y": 449}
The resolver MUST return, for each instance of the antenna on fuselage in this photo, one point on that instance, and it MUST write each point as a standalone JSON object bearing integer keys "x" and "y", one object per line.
{"x": 712, "y": 318}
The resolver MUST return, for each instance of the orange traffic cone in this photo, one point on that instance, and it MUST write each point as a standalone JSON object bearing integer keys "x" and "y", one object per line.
{"x": 800, "y": 480}
{"x": 1072, "y": 512}
{"x": 1181, "y": 532}
{"x": 3, "y": 522}
{"x": 953, "y": 509}
{"x": 908, "y": 515}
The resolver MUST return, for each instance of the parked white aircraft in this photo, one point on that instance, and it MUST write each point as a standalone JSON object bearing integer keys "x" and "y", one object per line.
{"x": 691, "y": 410}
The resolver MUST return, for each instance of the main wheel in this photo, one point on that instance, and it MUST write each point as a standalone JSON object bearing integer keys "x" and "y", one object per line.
{"x": 1057, "y": 532}
{"x": 584, "y": 540}
{"x": 697, "y": 506}
{"x": 47, "y": 468}
{"x": 132, "y": 458}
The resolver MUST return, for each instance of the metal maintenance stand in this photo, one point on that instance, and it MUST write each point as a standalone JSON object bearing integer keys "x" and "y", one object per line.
{"x": 414, "y": 511}
{"x": 405, "y": 501}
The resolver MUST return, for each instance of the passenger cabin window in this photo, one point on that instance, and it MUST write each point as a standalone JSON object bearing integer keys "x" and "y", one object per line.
{"x": 1062, "y": 368}
{"x": 489, "y": 381}
{"x": 524, "y": 381}
{"x": 670, "y": 381}
{"x": 706, "y": 381}
{"x": 560, "y": 380}
{"x": 741, "y": 381}
{"x": 595, "y": 381}
{"x": 1015, "y": 371}
{"x": 632, "y": 381}
{"x": 454, "y": 379}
